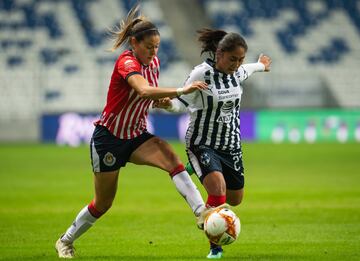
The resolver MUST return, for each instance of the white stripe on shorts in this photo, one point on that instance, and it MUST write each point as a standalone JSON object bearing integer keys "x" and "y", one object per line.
{"x": 95, "y": 158}
{"x": 195, "y": 163}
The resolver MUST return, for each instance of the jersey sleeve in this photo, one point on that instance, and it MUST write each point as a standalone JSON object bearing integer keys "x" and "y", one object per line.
{"x": 248, "y": 69}
{"x": 177, "y": 105}
{"x": 188, "y": 100}
{"x": 128, "y": 66}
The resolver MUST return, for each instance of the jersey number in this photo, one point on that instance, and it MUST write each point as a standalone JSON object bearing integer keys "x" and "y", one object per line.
{"x": 237, "y": 165}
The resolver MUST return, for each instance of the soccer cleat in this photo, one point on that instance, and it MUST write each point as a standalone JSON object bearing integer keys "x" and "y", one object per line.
{"x": 64, "y": 249}
{"x": 201, "y": 218}
{"x": 189, "y": 169}
{"x": 215, "y": 253}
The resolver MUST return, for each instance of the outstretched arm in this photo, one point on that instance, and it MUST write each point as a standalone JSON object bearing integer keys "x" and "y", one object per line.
{"x": 141, "y": 86}
{"x": 262, "y": 65}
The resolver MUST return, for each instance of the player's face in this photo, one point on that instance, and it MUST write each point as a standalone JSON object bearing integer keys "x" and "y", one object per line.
{"x": 146, "y": 49}
{"x": 229, "y": 62}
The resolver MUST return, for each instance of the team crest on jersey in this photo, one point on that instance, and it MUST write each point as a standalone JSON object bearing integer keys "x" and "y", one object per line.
{"x": 205, "y": 158}
{"x": 225, "y": 115}
{"x": 155, "y": 70}
{"x": 109, "y": 159}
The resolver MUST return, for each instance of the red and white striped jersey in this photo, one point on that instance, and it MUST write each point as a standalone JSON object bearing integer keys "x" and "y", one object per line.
{"x": 125, "y": 112}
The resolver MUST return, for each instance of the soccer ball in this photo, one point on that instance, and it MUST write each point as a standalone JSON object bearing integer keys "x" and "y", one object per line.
{"x": 222, "y": 226}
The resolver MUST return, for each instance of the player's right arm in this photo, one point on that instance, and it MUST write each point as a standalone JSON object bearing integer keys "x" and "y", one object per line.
{"x": 130, "y": 70}
{"x": 185, "y": 102}
{"x": 141, "y": 86}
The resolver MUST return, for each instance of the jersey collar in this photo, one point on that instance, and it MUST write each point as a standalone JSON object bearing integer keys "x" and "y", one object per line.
{"x": 212, "y": 64}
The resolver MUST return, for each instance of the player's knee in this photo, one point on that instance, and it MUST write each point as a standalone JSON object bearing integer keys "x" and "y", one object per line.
{"x": 172, "y": 160}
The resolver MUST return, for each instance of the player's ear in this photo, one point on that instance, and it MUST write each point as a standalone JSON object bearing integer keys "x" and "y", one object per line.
{"x": 132, "y": 41}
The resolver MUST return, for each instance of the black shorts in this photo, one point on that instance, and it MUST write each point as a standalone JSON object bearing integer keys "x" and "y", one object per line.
{"x": 109, "y": 153}
{"x": 204, "y": 160}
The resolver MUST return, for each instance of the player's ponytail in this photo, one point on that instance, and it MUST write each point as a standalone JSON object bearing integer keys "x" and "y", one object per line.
{"x": 135, "y": 25}
{"x": 214, "y": 40}
{"x": 210, "y": 39}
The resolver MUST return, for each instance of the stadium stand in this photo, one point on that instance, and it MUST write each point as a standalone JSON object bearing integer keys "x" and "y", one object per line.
{"x": 55, "y": 53}
{"x": 316, "y": 40}
{"x": 54, "y": 58}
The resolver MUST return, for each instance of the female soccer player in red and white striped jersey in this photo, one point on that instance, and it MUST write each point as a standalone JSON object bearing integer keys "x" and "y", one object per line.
{"x": 120, "y": 135}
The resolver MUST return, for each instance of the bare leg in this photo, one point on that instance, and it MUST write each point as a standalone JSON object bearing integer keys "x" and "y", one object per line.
{"x": 158, "y": 153}
{"x": 234, "y": 197}
{"x": 105, "y": 190}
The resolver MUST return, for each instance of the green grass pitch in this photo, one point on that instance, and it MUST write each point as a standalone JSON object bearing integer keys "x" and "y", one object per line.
{"x": 302, "y": 202}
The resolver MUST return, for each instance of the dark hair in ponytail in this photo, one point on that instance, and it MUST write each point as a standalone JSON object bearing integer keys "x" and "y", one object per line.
{"x": 212, "y": 40}
{"x": 135, "y": 25}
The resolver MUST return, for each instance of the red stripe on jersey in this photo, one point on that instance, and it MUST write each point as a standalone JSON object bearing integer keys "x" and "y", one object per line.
{"x": 135, "y": 117}
{"x": 148, "y": 76}
{"x": 130, "y": 112}
{"x": 119, "y": 127}
{"x": 144, "y": 110}
{"x": 125, "y": 112}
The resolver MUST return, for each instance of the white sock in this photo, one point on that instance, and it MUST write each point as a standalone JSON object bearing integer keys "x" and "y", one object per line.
{"x": 189, "y": 191}
{"x": 82, "y": 223}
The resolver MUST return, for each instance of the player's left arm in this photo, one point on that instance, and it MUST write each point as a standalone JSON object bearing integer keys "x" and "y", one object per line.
{"x": 262, "y": 65}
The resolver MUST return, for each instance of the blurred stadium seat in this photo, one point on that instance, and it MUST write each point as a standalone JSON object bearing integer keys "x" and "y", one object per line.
{"x": 63, "y": 44}
{"x": 317, "y": 39}
{"x": 54, "y": 58}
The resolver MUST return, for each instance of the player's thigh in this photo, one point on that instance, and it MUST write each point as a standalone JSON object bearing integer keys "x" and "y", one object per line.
{"x": 234, "y": 197}
{"x": 214, "y": 183}
{"x": 156, "y": 152}
{"x": 105, "y": 188}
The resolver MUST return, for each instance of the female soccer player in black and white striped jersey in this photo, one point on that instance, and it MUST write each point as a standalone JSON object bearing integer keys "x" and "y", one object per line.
{"x": 213, "y": 136}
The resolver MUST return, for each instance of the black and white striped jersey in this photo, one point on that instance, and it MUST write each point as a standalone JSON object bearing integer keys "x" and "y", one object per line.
{"x": 214, "y": 113}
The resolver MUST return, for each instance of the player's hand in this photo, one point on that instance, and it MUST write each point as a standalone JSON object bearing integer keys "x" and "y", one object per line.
{"x": 265, "y": 60}
{"x": 163, "y": 103}
{"x": 196, "y": 85}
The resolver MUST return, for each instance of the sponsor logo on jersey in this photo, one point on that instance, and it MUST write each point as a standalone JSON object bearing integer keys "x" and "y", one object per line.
{"x": 223, "y": 91}
{"x": 109, "y": 159}
{"x": 224, "y": 118}
{"x": 227, "y": 107}
{"x": 226, "y": 112}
